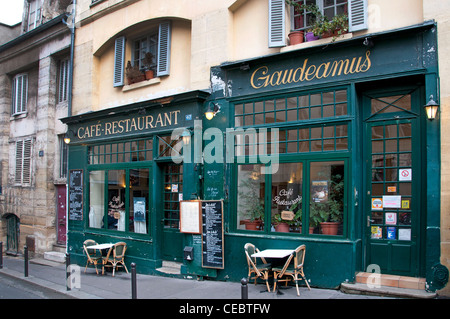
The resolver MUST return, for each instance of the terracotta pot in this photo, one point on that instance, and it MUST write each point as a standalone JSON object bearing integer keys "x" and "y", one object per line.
{"x": 296, "y": 37}
{"x": 149, "y": 74}
{"x": 253, "y": 225}
{"x": 329, "y": 228}
{"x": 282, "y": 228}
{"x": 311, "y": 37}
{"x": 311, "y": 230}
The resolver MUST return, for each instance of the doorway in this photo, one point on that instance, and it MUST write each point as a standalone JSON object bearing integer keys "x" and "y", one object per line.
{"x": 391, "y": 151}
{"x": 172, "y": 192}
{"x": 12, "y": 234}
{"x": 61, "y": 214}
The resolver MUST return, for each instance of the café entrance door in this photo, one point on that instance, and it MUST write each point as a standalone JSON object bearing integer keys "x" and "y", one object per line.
{"x": 391, "y": 149}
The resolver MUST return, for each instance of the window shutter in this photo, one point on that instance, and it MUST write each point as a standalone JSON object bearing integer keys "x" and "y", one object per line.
{"x": 277, "y": 13}
{"x": 119, "y": 60}
{"x": 164, "y": 49}
{"x": 23, "y": 105}
{"x": 26, "y": 171}
{"x": 19, "y": 153}
{"x": 357, "y": 17}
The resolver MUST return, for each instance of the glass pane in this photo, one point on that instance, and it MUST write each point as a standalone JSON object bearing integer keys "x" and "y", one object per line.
{"x": 116, "y": 199}
{"x": 326, "y": 210}
{"x": 96, "y": 198}
{"x": 139, "y": 200}
{"x": 286, "y": 206}
{"x": 250, "y": 201}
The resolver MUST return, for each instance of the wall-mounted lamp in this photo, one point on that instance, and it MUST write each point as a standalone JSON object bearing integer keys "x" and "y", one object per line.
{"x": 368, "y": 42}
{"x": 212, "y": 110}
{"x": 186, "y": 136}
{"x": 431, "y": 108}
{"x": 67, "y": 136}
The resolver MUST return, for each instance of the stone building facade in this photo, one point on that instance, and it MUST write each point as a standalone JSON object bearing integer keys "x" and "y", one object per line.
{"x": 34, "y": 69}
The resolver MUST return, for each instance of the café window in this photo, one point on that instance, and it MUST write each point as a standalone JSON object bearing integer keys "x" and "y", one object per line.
{"x": 329, "y": 8}
{"x": 119, "y": 194}
{"x": 281, "y": 200}
{"x": 119, "y": 199}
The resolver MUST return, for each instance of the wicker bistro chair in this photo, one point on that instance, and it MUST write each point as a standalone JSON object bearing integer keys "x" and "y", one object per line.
{"x": 93, "y": 255}
{"x": 292, "y": 271}
{"x": 258, "y": 270}
{"x": 115, "y": 257}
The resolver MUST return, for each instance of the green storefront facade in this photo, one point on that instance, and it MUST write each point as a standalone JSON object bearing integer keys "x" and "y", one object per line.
{"x": 331, "y": 133}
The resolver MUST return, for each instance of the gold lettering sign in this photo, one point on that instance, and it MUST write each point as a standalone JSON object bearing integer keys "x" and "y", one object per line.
{"x": 129, "y": 125}
{"x": 264, "y": 77}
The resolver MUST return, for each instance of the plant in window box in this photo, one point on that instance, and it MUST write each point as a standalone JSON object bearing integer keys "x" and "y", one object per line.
{"x": 315, "y": 30}
{"x": 133, "y": 74}
{"x": 148, "y": 62}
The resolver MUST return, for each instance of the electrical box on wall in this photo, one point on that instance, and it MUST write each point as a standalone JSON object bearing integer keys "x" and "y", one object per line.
{"x": 188, "y": 253}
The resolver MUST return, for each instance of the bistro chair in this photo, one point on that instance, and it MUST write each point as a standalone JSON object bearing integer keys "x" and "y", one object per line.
{"x": 92, "y": 256}
{"x": 259, "y": 270}
{"x": 116, "y": 259}
{"x": 292, "y": 271}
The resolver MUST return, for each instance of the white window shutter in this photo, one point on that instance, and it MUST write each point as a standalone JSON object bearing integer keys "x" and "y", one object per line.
{"x": 19, "y": 154}
{"x": 26, "y": 171}
{"x": 357, "y": 16}
{"x": 277, "y": 15}
{"x": 164, "y": 49}
{"x": 119, "y": 61}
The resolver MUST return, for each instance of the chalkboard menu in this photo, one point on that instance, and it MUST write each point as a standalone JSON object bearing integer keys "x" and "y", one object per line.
{"x": 212, "y": 234}
{"x": 76, "y": 194}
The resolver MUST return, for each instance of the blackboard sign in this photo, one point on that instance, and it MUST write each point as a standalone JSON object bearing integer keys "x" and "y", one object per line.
{"x": 212, "y": 234}
{"x": 76, "y": 194}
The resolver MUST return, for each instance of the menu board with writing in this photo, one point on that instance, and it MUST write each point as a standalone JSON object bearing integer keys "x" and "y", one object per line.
{"x": 190, "y": 217}
{"x": 76, "y": 194}
{"x": 212, "y": 234}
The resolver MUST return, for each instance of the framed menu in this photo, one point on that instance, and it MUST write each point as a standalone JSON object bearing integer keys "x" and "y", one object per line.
{"x": 212, "y": 234}
{"x": 76, "y": 194}
{"x": 190, "y": 217}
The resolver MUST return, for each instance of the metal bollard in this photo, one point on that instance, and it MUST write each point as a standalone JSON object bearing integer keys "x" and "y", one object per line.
{"x": 25, "y": 253}
{"x": 133, "y": 281}
{"x": 244, "y": 288}
{"x": 1, "y": 255}
{"x": 68, "y": 283}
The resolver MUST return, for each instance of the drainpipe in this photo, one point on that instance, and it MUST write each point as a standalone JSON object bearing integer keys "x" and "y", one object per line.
{"x": 71, "y": 25}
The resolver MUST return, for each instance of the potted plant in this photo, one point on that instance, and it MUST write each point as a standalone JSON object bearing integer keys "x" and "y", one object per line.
{"x": 296, "y": 37}
{"x": 251, "y": 205}
{"x": 148, "y": 62}
{"x": 133, "y": 74}
{"x": 328, "y": 214}
{"x": 287, "y": 225}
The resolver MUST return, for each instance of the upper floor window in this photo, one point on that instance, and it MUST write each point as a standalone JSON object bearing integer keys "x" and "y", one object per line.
{"x": 19, "y": 94}
{"x": 329, "y": 8}
{"x": 302, "y": 19}
{"x": 149, "y": 52}
{"x": 34, "y": 14}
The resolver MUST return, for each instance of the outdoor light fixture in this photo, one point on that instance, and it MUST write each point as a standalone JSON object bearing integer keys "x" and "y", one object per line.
{"x": 212, "y": 111}
{"x": 186, "y": 136}
{"x": 67, "y": 136}
{"x": 431, "y": 108}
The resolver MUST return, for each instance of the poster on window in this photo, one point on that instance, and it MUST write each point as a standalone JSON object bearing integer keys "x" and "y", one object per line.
{"x": 139, "y": 209}
{"x": 319, "y": 191}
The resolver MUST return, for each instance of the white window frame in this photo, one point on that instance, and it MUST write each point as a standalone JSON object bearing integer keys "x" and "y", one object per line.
{"x": 34, "y": 14}
{"x": 19, "y": 94}
{"x": 146, "y": 45}
{"x": 321, "y": 5}
{"x": 23, "y": 157}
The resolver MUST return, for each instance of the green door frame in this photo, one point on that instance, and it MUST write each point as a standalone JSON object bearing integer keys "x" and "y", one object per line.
{"x": 390, "y": 251}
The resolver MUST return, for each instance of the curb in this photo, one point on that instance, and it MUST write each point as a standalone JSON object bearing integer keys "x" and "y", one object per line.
{"x": 48, "y": 286}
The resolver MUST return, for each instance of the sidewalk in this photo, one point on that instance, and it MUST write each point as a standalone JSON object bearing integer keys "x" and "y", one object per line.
{"x": 51, "y": 275}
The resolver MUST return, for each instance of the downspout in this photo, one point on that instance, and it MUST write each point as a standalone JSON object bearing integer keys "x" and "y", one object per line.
{"x": 69, "y": 21}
